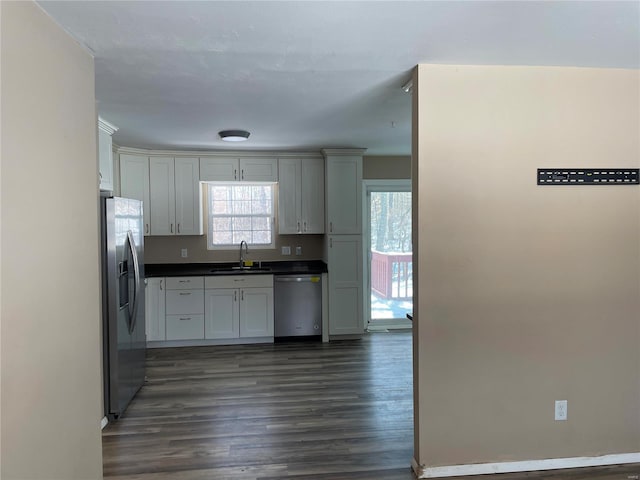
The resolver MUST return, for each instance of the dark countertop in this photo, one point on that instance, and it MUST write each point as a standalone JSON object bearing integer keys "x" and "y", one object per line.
{"x": 200, "y": 269}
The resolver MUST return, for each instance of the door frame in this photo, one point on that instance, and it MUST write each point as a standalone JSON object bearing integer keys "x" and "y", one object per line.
{"x": 368, "y": 186}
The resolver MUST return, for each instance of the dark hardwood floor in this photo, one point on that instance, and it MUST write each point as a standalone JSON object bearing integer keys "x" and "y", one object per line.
{"x": 307, "y": 411}
{"x": 294, "y": 410}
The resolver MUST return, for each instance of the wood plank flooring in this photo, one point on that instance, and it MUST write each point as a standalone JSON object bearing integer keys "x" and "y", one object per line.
{"x": 305, "y": 411}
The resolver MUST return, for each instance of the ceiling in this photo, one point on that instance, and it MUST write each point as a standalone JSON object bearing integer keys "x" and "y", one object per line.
{"x": 302, "y": 75}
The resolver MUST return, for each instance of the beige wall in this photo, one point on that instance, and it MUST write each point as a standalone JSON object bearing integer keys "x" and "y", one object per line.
{"x": 386, "y": 167}
{"x": 50, "y": 400}
{"x": 167, "y": 249}
{"x": 526, "y": 294}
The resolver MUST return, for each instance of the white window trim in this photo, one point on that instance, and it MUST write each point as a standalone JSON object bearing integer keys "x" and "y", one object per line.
{"x": 271, "y": 246}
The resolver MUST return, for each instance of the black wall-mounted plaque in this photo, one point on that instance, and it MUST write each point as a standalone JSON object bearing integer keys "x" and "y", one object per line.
{"x": 588, "y": 176}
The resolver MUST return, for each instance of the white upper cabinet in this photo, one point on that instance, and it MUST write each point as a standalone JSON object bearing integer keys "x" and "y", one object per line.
{"x": 229, "y": 169}
{"x": 187, "y": 182}
{"x": 344, "y": 185}
{"x": 134, "y": 182}
{"x": 289, "y": 186}
{"x": 175, "y": 198}
{"x": 105, "y": 154}
{"x": 312, "y": 195}
{"x": 162, "y": 196}
{"x": 169, "y": 188}
{"x": 258, "y": 169}
{"x": 301, "y": 195}
{"x": 219, "y": 169}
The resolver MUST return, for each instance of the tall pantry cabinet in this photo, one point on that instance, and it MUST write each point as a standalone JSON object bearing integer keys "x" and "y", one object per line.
{"x": 344, "y": 243}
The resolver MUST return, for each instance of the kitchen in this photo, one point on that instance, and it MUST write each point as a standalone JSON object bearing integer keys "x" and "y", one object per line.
{"x": 202, "y": 304}
{"x": 584, "y": 351}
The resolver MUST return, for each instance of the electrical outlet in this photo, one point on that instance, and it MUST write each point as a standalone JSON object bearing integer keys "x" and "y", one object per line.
{"x": 286, "y": 250}
{"x": 298, "y": 250}
{"x": 561, "y": 410}
{"x": 184, "y": 253}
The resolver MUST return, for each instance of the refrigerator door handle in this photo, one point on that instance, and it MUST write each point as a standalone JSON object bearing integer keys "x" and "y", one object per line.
{"x": 136, "y": 273}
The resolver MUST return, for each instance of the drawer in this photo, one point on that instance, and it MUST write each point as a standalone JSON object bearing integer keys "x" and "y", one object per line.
{"x": 184, "y": 283}
{"x": 185, "y": 327}
{"x": 184, "y": 301}
{"x": 238, "y": 281}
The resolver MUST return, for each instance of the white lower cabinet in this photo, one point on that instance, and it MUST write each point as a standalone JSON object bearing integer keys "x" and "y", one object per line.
{"x": 184, "y": 308}
{"x": 345, "y": 285}
{"x": 222, "y": 314}
{"x": 238, "y": 306}
{"x": 185, "y": 327}
{"x": 155, "y": 309}
{"x": 256, "y": 312}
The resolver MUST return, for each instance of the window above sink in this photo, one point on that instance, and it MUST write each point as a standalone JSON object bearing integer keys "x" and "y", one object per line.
{"x": 240, "y": 211}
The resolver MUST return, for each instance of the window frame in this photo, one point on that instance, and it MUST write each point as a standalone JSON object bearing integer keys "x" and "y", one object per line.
{"x": 206, "y": 187}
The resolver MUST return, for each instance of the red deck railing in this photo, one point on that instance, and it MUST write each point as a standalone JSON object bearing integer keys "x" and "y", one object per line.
{"x": 391, "y": 274}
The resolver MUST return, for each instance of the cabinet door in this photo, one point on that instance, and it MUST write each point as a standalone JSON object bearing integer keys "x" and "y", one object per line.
{"x": 345, "y": 285}
{"x": 179, "y": 302}
{"x": 256, "y": 312}
{"x": 187, "y": 177}
{"x": 344, "y": 183}
{"x": 312, "y": 195}
{"x": 105, "y": 160}
{"x": 162, "y": 195}
{"x": 134, "y": 183}
{"x": 258, "y": 170}
{"x": 154, "y": 309}
{"x": 185, "y": 327}
{"x": 221, "y": 313}
{"x": 219, "y": 169}
{"x": 289, "y": 196}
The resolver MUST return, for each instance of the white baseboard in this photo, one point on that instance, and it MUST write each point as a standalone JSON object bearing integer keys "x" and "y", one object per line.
{"x": 103, "y": 423}
{"x": 523, "y": 466}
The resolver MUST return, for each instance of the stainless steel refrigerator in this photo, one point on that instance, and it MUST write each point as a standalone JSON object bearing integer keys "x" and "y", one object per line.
{"x": 124, "y": 339}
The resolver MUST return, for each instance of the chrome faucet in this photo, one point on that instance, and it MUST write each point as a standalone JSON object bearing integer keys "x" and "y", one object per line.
{"x": 246, "y": 250}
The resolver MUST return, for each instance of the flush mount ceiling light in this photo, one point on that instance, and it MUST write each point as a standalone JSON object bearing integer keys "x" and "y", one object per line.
{"x": 234, "y": 135}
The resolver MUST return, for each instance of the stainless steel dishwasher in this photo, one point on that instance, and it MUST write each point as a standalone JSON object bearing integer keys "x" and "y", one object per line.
{"x": 298, "y": 307}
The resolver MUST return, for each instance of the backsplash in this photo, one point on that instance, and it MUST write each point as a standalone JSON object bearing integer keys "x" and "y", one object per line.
{"x": 168, "y": 249}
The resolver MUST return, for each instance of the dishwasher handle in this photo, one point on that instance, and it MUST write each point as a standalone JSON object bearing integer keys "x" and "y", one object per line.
{"x": 310, "y": 278}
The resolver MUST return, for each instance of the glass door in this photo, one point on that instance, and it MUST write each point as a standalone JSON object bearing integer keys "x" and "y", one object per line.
{"x": 389, "y": 273}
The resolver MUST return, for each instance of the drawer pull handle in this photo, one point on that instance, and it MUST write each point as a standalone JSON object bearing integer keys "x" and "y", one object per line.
{"x": 184, "y": 281}
{"x": 185, "y": 318}
{"x": 185, "y": 293}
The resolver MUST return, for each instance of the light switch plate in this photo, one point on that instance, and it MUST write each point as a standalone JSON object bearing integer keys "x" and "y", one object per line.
{"x": 298, "y": 250}
{"x": 184, "y": 253}
{"x": 286, "y": 250}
